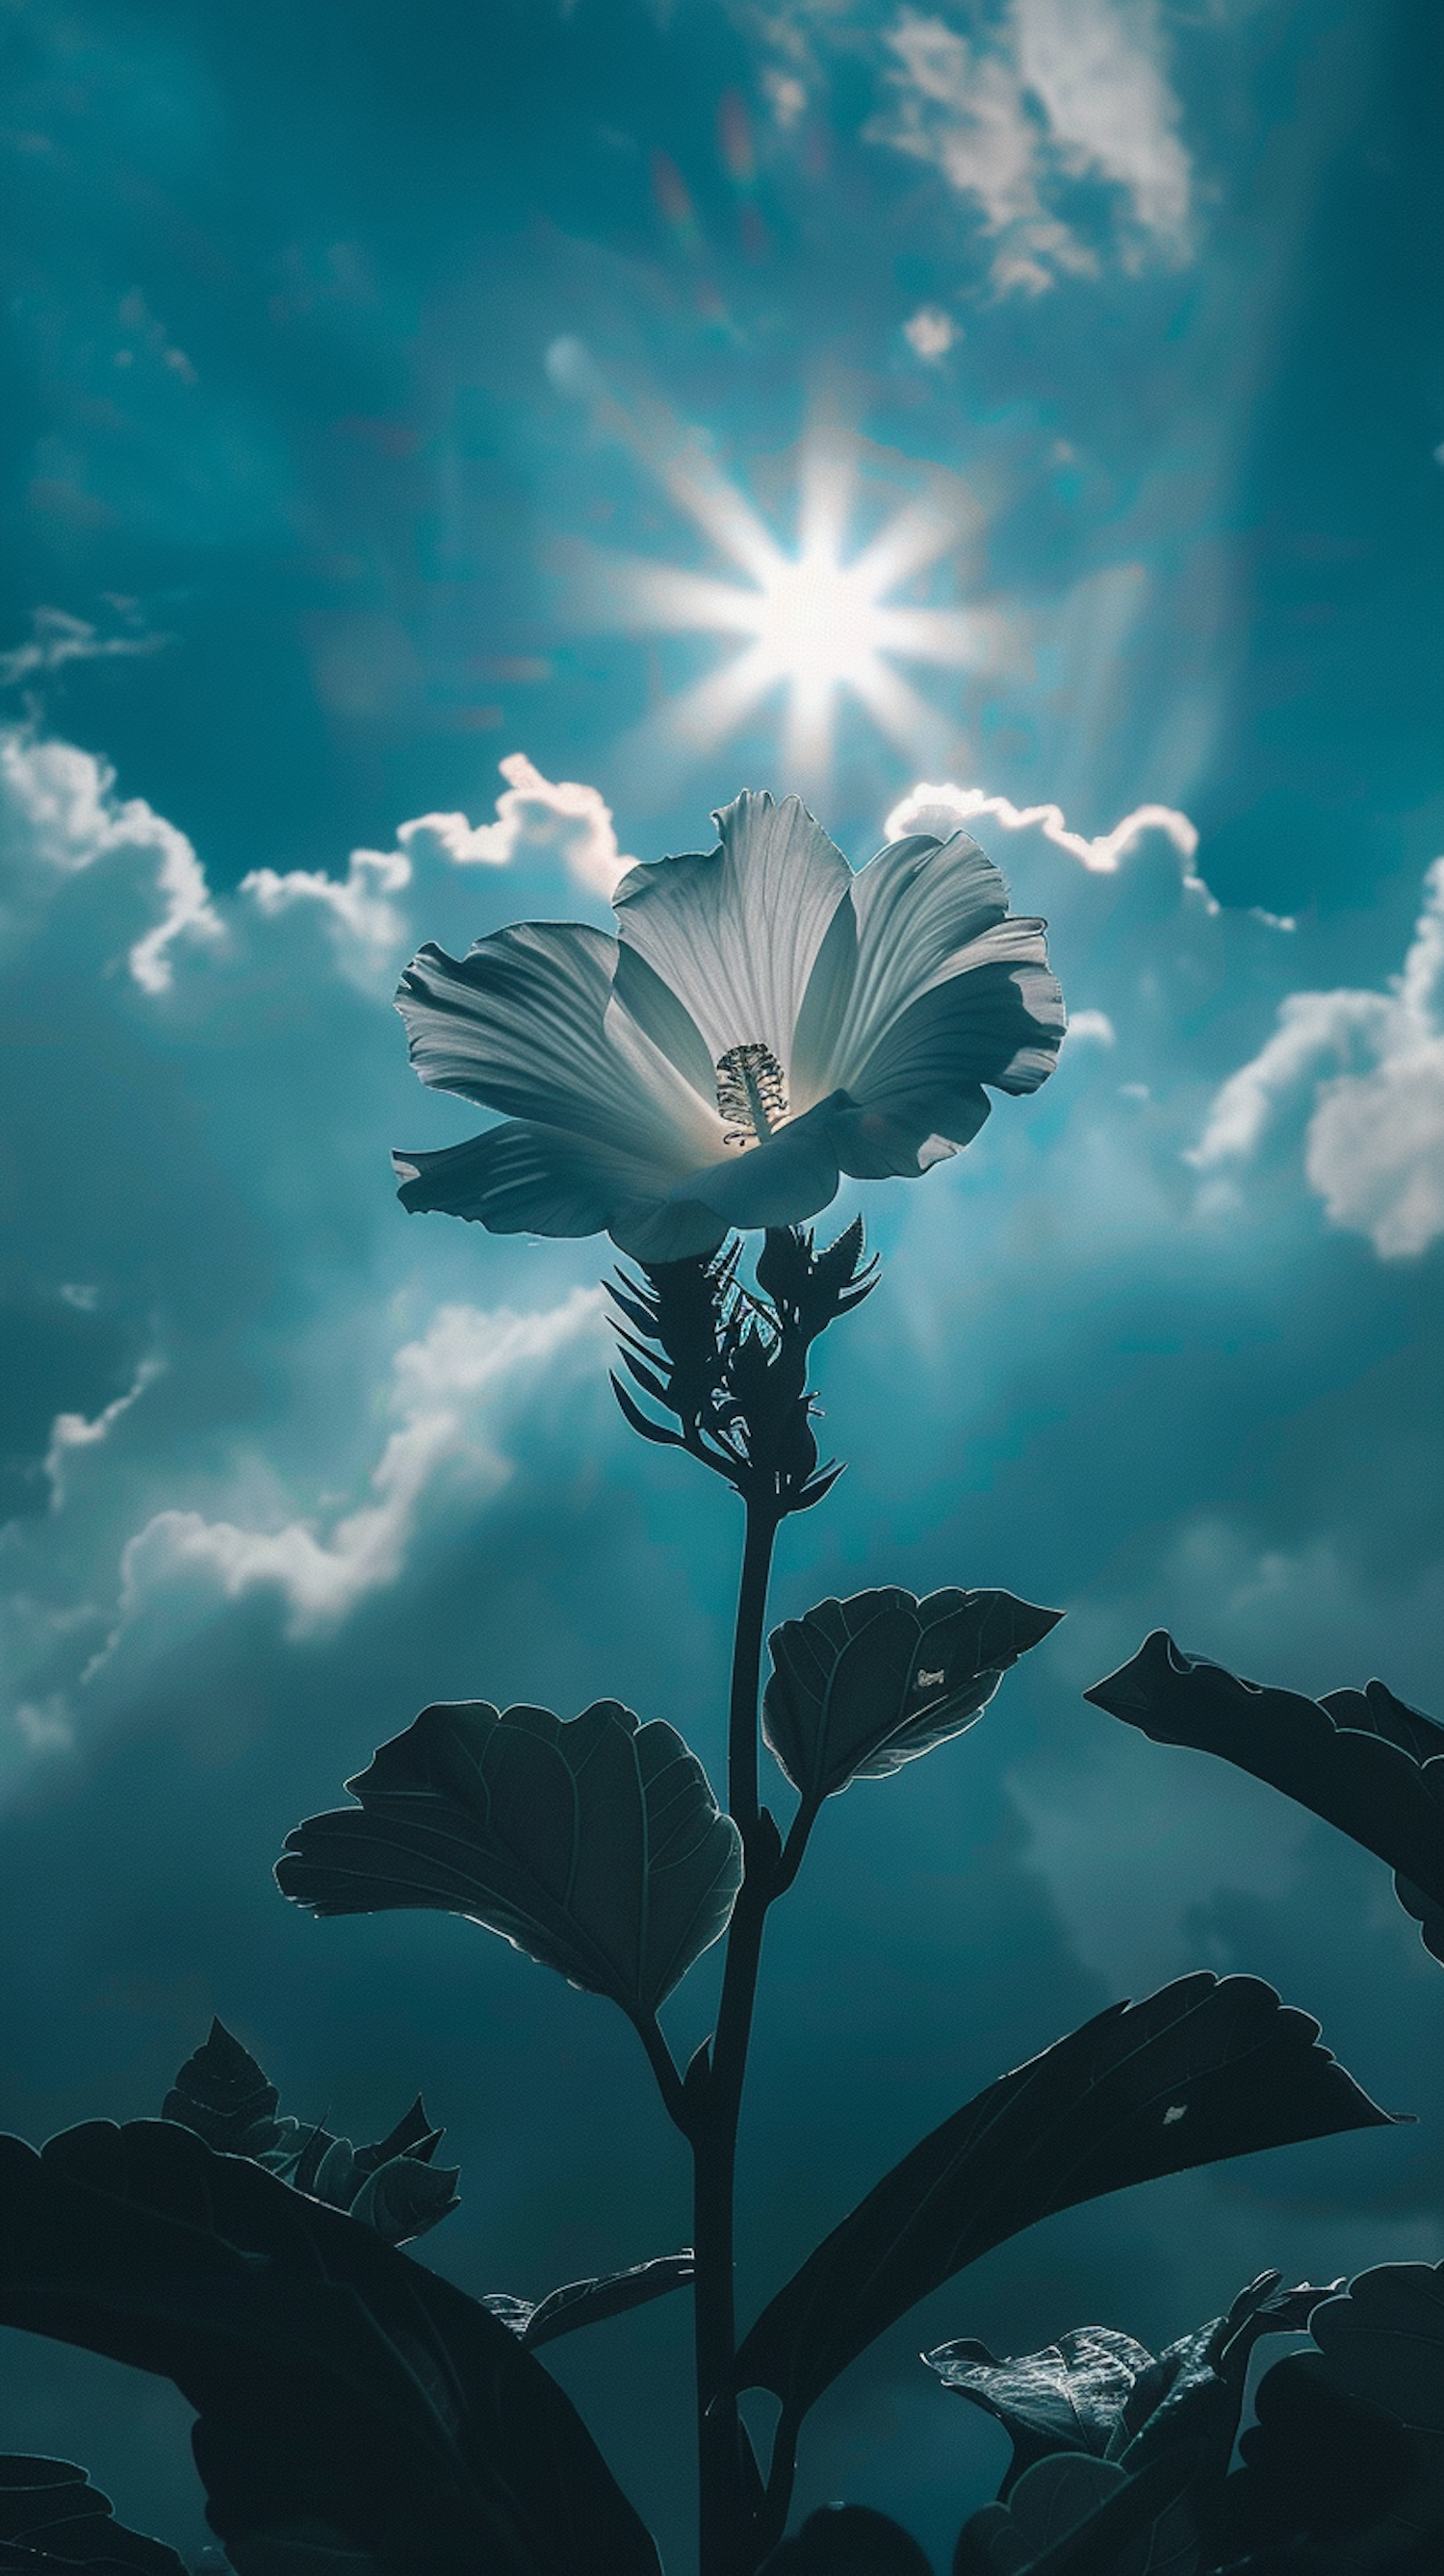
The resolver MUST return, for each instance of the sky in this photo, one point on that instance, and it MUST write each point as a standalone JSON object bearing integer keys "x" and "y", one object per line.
{"x": 416, "y": 418}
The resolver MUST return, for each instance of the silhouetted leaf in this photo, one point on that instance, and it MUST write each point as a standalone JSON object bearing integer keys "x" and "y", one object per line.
{"x": 224, "y": 2096}
{"x": 53, "y": 2520}
{"x": 1362, "y": 1760}
{"x": 1074, "y": 2515}
{"x": 1098, "y": 2391}
{"x": 1382, "y": 2347}
{"x": 1346, "y": 2459}
{"x": 593, "y": 1844}
{"x": 587, "y": 2303}
{"x": 1205, "y": 2068}
{"x": 859, "y": 1687}
{"x": 848, "y": 2540}
{"x": 345, "y": 2395}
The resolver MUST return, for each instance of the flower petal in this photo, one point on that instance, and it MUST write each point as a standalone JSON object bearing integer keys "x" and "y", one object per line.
{"x": 901, "y": 1143}
{"x": 522, "y": 1178}
{"x": 779, "y": 1183}
{"x": 734, "y": 932}
{"x": 519, "y": 1025}
{"x": 920, "y": 904}
{"x": 998, "y": 1018}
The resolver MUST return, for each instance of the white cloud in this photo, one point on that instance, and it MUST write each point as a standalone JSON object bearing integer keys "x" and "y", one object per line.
{"x": 59, "y": 638}
{"x": 1061, "y": 89}
{"x": 63, "y": 816}
{"x": 1094, "y": 67}
{"x": 1374, "y": 1145}
{"x": 1102, "y": 854}
{"x": 1091, "y": 1028}
{"x": 532, "y": 814}
{"x": 356, "y": 903}
{"x": 72, "y": 1431}
{"x": 930, "y": 332}
{"x": 447, "y": 1392}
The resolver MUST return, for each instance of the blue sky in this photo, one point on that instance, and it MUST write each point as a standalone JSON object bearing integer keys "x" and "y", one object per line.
{"x": 391, "y": 392}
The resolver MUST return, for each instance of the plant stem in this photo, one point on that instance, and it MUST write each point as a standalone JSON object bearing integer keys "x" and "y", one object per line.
{"x": 724, "y": 2548}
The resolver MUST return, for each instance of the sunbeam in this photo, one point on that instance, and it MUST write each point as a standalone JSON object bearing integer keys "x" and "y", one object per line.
{"x": 815, "y": 625}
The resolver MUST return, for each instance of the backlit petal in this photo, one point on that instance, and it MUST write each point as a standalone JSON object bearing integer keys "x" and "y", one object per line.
{"x": 734, "y": 931}
{"x": 520, "y": 1178}
{"x": 998, "y": 1019}
{"x": 920, "y": 904}
{"x": 778, "y": 1183}
{"x": 519, "y": 1024}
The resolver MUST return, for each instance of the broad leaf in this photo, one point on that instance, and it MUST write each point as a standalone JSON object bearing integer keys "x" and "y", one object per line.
{"x": 1074, "y": 2515}
{"x": 1068, "y": 2397}
{"x": 593, "y": 1844}
{"x": 848, "y": 2540}
{"x": 587, "y": 2303}
{"x": 1362, "y": 1760}
{"x": 859, "y": 1687}
{"x": 52, "y": 2520}
{"x": 1098, "y": 2391}
{"x": 1348, "y": 2449}
{"x": 1206, "y": 2068}
{"x": 345, "y": 2395}
{"x": 225, "y": 2097}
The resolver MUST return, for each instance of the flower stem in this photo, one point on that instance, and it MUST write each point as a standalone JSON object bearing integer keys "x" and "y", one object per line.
{"x": 724, "y": 2541}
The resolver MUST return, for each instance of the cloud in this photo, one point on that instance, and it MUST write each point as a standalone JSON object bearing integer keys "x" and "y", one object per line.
{"x": 1091, "y": 1028}
{"x": 1102, "y": 854}
{"x": 1063, "y": 89}
{"x": 356, "y": 904}
{"x": 63, "y": 817}
{"x": 448, "y": 1391}
{"x": 1374, "y": 1144}
{"x": 532, "y": 814}
{"x": 59, "y": 638}
{"x": 72, "y": 1431}
{"x": 930, "y": 332}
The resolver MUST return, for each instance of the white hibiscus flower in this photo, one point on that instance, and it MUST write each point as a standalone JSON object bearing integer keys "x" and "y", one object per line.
{"x": 764, "y": 1021}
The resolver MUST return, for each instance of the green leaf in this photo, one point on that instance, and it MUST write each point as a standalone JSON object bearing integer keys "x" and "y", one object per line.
{"x": 1363, "y": 1760}
{"x": 1205, "y": 2068}
{"x": 52, "y": 2519}
{"x": 593, "y": 1844}
{"x": 344, "y": 2393}
{"x": 587, "y": 2303}
{"x": 859, "y": 1687}
{"x": 225, "y": 2097}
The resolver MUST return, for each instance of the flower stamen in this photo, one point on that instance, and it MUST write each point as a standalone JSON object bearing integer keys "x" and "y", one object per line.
{"x": 751, "y": 1093}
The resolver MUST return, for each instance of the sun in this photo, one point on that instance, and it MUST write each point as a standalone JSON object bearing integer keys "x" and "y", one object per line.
{"x": 815, "y": 625}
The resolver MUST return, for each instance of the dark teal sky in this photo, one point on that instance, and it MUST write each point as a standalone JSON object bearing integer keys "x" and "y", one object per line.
{"x": 351, "y": 350}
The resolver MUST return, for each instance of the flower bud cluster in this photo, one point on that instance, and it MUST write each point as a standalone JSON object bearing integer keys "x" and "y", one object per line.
{"x": 729, "y": 1363}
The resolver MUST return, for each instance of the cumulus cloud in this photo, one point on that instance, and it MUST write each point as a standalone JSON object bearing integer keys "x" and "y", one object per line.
{"x": 72, "y": 1431}
{"x": 57, "y": 638}
{"x": 62, "y": 816}
{"x": 532, "y": 814}
{"x": 356, "y": 905}
{"x": 1060, "y": 89}
{"x": 1102, "y": 854}
{"x": 447, "y": 1392}
{"x": 1374, "y": 1143}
